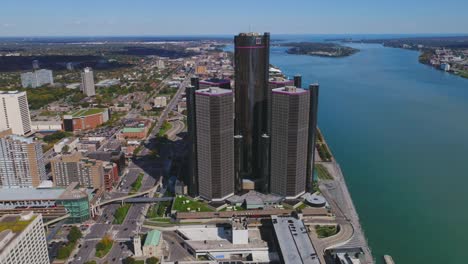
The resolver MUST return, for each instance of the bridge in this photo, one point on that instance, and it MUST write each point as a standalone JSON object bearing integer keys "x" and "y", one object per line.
{"x": 122, "y": 199}
{"x": 148, "y": 200}
{"x": 55, "y": 220}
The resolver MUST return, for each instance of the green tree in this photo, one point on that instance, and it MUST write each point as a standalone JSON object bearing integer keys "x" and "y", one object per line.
{"x": 129, "y": 260}
{"x": 152, "y": 260}
{"x": 74, "y": 234}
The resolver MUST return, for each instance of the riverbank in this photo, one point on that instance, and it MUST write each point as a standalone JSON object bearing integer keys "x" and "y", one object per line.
{"x": 337, "y": 194}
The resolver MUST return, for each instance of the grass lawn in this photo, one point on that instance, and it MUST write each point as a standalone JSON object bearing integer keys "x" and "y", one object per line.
{"x": 302, "y": 206}
{"x": 103, "y": 247}
{"x": 322, "y": 172}
{"x": 164, "y": 128}
{"x": 136, "y": 185}
{"x": 121, "y": 213}
{"x": 158, "y": 209}
{"x": 325, "y": 231}
{"x": 184, "y": 204}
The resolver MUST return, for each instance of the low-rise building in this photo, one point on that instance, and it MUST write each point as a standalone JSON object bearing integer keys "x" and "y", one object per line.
{"x": 37, "y": 78}
{"x": 153, "y": 244}
{"x": 50, "y": 202}
{"x": 46, "y": 126}
{"x": 85, "y": 119}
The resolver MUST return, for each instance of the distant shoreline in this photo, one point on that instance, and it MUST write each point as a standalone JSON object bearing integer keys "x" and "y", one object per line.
{"x": 319, "y": 49}
{"x": 449, "y": 54}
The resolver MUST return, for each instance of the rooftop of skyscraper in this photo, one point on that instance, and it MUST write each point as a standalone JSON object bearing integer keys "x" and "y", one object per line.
{"x": 213, "y": 91}
{"x": 289, "y": 90}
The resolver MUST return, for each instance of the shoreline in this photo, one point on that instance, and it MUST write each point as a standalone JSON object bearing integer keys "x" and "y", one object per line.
{"x": 337, "y": 194}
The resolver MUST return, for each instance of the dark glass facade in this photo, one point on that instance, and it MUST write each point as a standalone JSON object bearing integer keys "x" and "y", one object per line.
{"x": 251, "y": 58}
{"x": 314, "y": 93}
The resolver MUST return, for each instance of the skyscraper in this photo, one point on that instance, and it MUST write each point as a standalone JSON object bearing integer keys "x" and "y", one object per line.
{"x": 23, "y": 240}
{"x": 251, "y": 94}
{"x": 14, "y": 112}
{"x": 192, "y": 175}
{"x": 289, "y": 138}
{"x": 87, "y": 82}
{"x": 21, "y": 161}
{"x": 313, "y": 111}
{"x": 215, "y": 143}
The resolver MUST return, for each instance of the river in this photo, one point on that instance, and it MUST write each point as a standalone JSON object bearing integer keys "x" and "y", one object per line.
{"x": 398, "y": 129}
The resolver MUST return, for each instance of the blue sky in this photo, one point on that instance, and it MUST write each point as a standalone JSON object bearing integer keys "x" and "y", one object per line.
{"x": 145, "y": 17}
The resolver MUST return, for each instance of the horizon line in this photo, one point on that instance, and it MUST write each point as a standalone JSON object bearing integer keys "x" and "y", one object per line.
{"x": 231, "y": 34}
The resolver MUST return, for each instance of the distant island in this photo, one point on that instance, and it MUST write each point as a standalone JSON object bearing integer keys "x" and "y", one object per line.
{"x": 448, "y": 54}
{"x": 319, "y": 49}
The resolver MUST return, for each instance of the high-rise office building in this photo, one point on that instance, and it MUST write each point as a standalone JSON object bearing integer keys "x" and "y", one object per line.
{"x": 215, "y": 143}
{"x": 289, "y": 138}
{"x": 23, "y": 240}
{"x": 87, "y": 82}
{"x": 313, "y": 111}
{"x": 89, "y": 173}
{"x": 251, "y": 59}
{"x": 36, "y": 78}
{"x": 192, "y": 176}
{"x": 14, "y": 112}
{"x": 21, "y": 161}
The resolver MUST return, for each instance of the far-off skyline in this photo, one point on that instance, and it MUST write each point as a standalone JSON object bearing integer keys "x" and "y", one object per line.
{"x": 118, "y": 17}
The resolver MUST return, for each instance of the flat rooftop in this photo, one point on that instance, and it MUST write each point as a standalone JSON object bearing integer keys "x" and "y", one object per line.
{"x": 213, "y": 91}
{"x": 294, "y": 241}
{"x": 87, "y": 112}
{"x": 201, "y": 234}
{"x": 290, "y": 90}
{"x": 20, "y": 194}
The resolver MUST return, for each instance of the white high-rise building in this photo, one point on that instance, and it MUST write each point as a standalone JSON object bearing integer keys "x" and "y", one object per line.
{"x": 37, "y": 78}
{"x": 14, "y": 112}
{"x": 87, "y": 82}
{"x": 21, "y": 162}
{"x": 23, "y": 239}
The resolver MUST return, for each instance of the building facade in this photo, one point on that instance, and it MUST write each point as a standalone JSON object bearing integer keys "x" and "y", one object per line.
{"x": 289, "y": 138}
{"x": 21, "y": 162}
{"x": 251, "y": 54}
{"x": 215, "y": 143}
{"x": 85, "y": 119}
{"x": 36, "y": 78}
{"x": 14, "y": 112}
{"x": 87, "y": 82}
{"x": 89, "y": 173}
{"x": 23, "y": 239}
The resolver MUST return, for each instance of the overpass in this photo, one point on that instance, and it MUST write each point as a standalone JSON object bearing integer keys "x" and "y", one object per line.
{"x": 148, "y": 200}
{"x": 55, "y": 220}
{"x": 121, "y": 199}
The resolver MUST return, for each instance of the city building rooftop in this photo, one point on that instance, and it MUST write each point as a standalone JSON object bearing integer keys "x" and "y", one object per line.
{"x": 12, "y": 92}
{"x": 291, "y": 90}
{"x": 16, "y": 223}
{"x": 213, "y": 91}
{"x": 87, "y": 112}
{"x": 133, "y": 129}
{"x": 294, "y": 242}
{"x": 19, "y": 194}
{"x": 152, "y": 238}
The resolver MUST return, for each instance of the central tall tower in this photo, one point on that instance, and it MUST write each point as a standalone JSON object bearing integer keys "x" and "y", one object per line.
{"x": 251, "y": 119}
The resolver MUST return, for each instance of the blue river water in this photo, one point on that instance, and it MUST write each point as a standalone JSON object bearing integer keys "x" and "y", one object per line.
{"x": 398, "y": 128}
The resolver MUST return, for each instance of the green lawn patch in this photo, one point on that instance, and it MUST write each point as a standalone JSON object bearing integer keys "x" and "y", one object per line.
{"x": 136, "y": 185}
{"x": 121, "y": 213}
{"x": 322, "y": 172}
{"x": 325, "y": 231}
{"x": 65, "y": 251}
{"x": 184, "y": 204}
{"x": 103, "y": 247}
{"x": 323, "y": 151}
{"x": 158, "y": 209}
{"x": 164, "y": 128}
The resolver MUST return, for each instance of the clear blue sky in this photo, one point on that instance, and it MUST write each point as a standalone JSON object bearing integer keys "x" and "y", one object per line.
{"x": 195, "y": 17}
